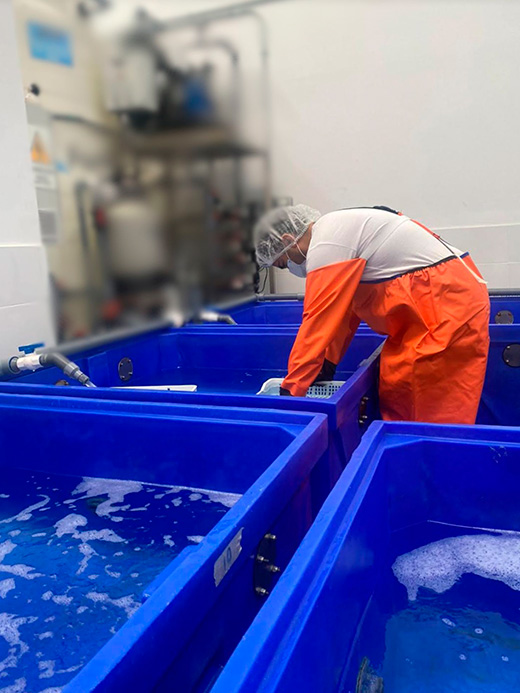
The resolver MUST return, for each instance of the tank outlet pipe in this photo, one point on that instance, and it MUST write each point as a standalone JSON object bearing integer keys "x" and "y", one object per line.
{"x": 211, "y": 316}
{"x": 33, "y": 362}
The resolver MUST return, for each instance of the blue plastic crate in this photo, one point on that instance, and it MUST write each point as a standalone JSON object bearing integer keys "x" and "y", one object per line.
{"x": 196, "y": 610}
{"x": 411, "y": 495}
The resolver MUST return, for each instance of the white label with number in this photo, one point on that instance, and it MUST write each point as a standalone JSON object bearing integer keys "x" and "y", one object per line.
{"x": 227, "y": 557}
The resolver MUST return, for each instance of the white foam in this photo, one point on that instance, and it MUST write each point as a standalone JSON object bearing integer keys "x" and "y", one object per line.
{"x": 6, "y": 586}
{"x": 19, "y": 686}
{"x": 10, "y": 632}
{"x": 112, "y": 573}
{"x": 81, "y": 609}
{"x": 127, "y": 603}
{"x": 70, "y": 524}
{"x": 87, "y": 552}
{"x": 176, "y": 502}
{"x": 168, "y": 540}
{"x": 46, "y": 668}
{"x": 46, "y": 635}
{"x": 448, "y": 622}
{"x": 60, "y": 599}
{"x": 5, "y": 548}
{"x": 196, "y": 538}
{"x": 195, "y": 496}
{"x": 26, "y": 514}
{"x": 102, "y": 535}
{"x": 438, "y": 566}
{"x": 227, "y": 499}
{"x": 115, "y": 489}
{"x": 19, "y": 569}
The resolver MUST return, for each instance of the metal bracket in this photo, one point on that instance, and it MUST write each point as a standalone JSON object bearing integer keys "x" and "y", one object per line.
{"x": 363, "y": 411}
{"x": 125, "y": 369}
{"x": 511, "y": 355}
{"x": 265, "y": 571}
{"x": 504, "y": 317}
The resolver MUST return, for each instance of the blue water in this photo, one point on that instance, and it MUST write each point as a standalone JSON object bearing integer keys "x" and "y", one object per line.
{"x": 75, "y": 556}
{"x": 463, "y": 639}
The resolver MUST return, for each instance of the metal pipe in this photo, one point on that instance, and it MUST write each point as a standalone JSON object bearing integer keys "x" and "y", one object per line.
{"x": 108, "y": 338}
{"x": 506, "y": 293}
{"x": 33, "y": 362}
{"x": 68, "y": 367}
{"x": 228, "y": 12}
{"x": 79, "y": 191}
{"x": 280, "y": 297}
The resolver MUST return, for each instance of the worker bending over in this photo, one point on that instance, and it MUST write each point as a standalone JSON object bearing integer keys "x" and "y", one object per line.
{"x": 380, "y": 266}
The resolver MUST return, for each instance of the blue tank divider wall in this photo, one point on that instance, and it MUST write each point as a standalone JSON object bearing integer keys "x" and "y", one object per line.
{"x": 310, "y": 635}
{"x": 194, "y": 614}
{"x": 505, "y": 307}
{"x": 500, "y": 403}
{"x": 231, "y": 365}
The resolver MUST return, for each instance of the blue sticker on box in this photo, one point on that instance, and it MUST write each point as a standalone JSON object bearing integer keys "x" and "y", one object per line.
{"x": 49, "y": 43}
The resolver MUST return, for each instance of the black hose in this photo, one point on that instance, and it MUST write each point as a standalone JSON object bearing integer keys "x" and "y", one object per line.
{"x": 67, "y": 366}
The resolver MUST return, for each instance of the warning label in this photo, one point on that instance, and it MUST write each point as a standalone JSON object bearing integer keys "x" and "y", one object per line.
{"x": 39, "y": 153}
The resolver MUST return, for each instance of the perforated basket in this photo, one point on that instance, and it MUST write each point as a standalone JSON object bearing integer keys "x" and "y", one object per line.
{"x": 319, "y": 391}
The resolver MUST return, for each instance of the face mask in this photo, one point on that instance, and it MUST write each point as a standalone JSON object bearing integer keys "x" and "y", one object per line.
{"x": 297, "y": 270}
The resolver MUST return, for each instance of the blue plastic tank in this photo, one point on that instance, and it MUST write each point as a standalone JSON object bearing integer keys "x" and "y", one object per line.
{"x": 407, "y": 581}
{"x": 106, "y": 504}
{"x": 228, "y": 366}
{"x": 505, "y": 308}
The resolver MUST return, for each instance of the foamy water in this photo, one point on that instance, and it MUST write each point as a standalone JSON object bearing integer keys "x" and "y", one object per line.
{"x": 75, "y": 558}
{"x": 438, "y": 566}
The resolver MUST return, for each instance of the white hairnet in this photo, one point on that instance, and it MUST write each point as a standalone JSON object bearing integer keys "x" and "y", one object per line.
{"x": 274, "y": 224}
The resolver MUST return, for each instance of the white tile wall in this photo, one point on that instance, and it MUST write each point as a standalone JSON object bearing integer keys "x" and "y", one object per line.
{"x": 25, "y": 315}
{"x": 27, "y": 323}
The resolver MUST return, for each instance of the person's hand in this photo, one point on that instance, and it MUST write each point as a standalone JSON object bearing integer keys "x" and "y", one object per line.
{"x": 328, "y": 371}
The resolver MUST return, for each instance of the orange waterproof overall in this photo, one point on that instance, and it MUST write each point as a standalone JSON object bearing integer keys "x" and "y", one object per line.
{"x": 436, "y": 319}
